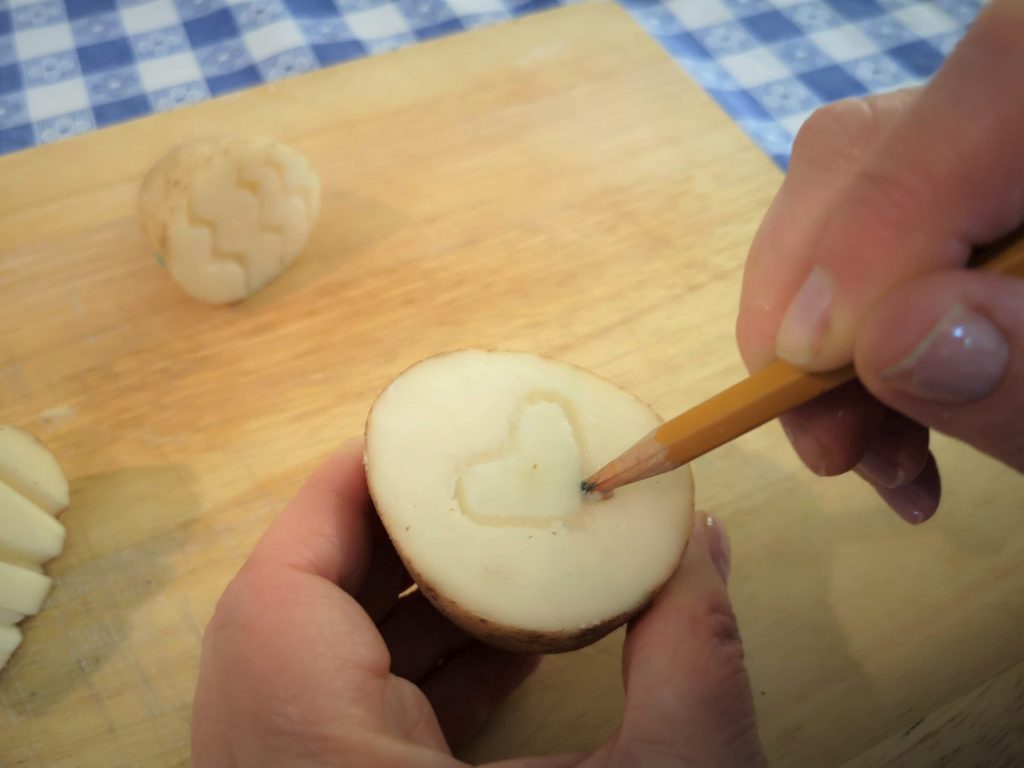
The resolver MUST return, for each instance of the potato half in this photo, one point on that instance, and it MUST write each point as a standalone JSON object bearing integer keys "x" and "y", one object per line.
{"x": 227, "y": 215}
{"x": 474, "y": 461}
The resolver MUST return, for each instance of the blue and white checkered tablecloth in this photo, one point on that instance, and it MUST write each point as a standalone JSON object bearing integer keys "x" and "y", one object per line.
{"x": 71, "y": 66}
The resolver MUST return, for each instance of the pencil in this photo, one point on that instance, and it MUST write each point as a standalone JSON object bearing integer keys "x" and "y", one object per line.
{"x": 759, "y": 398}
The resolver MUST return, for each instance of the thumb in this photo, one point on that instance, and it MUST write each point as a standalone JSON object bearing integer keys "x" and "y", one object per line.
{"x": 956, "y": 361}
{"x": 688, "y": 700}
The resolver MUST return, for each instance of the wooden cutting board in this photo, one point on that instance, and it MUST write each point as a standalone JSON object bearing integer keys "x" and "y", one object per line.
{"x": 554, "y": 184}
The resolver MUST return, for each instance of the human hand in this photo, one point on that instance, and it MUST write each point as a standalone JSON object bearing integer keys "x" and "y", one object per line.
{"x": 311, "y": 658}
{"x": 860, "y": 258}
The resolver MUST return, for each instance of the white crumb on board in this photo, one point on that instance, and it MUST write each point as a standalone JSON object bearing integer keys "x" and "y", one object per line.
{"x": 541, "y": 54}
{"x": 54, "y": 417}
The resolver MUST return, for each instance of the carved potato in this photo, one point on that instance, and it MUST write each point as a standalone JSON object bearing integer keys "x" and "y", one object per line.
{"x": 228, "y": 215}
{"x": 474, "y": 461}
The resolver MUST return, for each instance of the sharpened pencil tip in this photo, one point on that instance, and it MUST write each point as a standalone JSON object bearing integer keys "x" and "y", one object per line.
{"x": 586, "y": 486}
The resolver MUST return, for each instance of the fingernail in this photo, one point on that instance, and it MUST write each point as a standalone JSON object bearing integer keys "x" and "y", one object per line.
{"x": 718, "y": 546}
{"x": 918, "y": 500}
{"x": 806, "y": 320}
{"x": 807, "y": 446}
{"x": 962, "y": 359}
{"x": 896, "y": 453}
{"x": 878, "y": 469}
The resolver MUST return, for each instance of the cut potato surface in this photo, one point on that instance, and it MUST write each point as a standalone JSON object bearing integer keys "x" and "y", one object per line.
{"x": 10, "y": 617}
{"x": 10, "y": 639}
{"x": 33, "y": 490}
{"x": 27, "y": 466}
{"x": 27, "y": 533}
{"x": 21, "y": 590}
{"x": 227, "y": 215}
{"x": 474, "y": 460}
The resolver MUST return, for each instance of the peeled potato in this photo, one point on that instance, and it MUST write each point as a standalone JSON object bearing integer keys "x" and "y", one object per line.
{"x": 10, "y": 639}
{"x": 474, "y": 461}
{"x": 27, "y": 533}
{"x": 28, "y": 467}
{"x": 33, "y": 490}
{"x": 228, "y": 215}
{"x": 22, "y": 591}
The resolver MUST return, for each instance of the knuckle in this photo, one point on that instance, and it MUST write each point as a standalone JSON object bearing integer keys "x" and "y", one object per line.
{"x": 713, "y": 618}
{"x": 722, "y": 683}
{"x": 841, "y": 135}
{"x": 235, "y": 611}
{"x": 836, "y": 134}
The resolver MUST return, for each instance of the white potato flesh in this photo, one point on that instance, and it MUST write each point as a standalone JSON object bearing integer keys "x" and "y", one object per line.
{"x": 33, "y": 490}
{"x": 26, "y": 531}
{"x": 10, "y": 639}
{"x": 475, "y": 459}
{"x": 21, "y": 590}
{"x": 27, "y": 466}
{"x": 528, "y": 482}
{"x": 228, "y": 215}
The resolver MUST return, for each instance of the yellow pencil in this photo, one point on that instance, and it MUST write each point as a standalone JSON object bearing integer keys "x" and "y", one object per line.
{"x": 759, "y": 398}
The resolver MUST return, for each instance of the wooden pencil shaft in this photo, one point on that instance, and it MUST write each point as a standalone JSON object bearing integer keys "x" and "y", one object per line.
{"x": 761, "y": 397}
{"x": 775, "y": 389}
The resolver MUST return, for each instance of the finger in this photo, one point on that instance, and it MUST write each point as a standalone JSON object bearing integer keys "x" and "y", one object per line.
{"x": 900, "y": 467}
{"x": 917, "y": 500}
{"x": 849, "y": 428}
{"x": 829, "y": 150}
{"x": 283, "y": 631}
{"x": 832, "y": 433}
{"x": 936, "y": 185}
{"x": 387, "y": 577}
{"x": 324, "y": 530}
{"x": 688, "y": 699}
{"x": 419, "y": 637}
{"x": 467, "y": 687}
{"x": 896, "y": 452}
{"x": 957, "y": 363}
{"x": 319, "y": 541}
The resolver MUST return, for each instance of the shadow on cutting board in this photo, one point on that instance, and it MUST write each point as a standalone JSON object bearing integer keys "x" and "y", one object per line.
{"x": 348, "y": 226}
{"x": 124, "y": 528}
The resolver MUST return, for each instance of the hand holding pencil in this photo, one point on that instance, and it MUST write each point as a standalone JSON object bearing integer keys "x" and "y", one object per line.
{"x": 773, "y": 391}
{"x": 861, "y": 259}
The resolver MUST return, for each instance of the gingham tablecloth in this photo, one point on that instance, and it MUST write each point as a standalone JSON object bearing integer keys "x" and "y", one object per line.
{"x": 72, "y": 66}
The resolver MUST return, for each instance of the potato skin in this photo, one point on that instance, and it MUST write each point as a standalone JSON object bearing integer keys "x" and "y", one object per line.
{"x": 516, "y": 639}
{"x": 502, "y": 636}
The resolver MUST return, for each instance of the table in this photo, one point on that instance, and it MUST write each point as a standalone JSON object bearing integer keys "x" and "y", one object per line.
{"x": 72, "y": 66}
{"x": 501, "y": 219}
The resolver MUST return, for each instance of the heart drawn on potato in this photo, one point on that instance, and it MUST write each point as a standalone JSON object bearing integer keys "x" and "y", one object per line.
{"x": 530, "y": 480}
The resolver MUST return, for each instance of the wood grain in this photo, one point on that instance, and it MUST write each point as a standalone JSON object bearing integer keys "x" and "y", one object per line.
{"x": 983, "y": 727}
{"x": 554, "y": 184}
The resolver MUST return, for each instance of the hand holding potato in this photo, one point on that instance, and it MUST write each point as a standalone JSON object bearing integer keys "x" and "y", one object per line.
{"x": 312, "y": 659}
